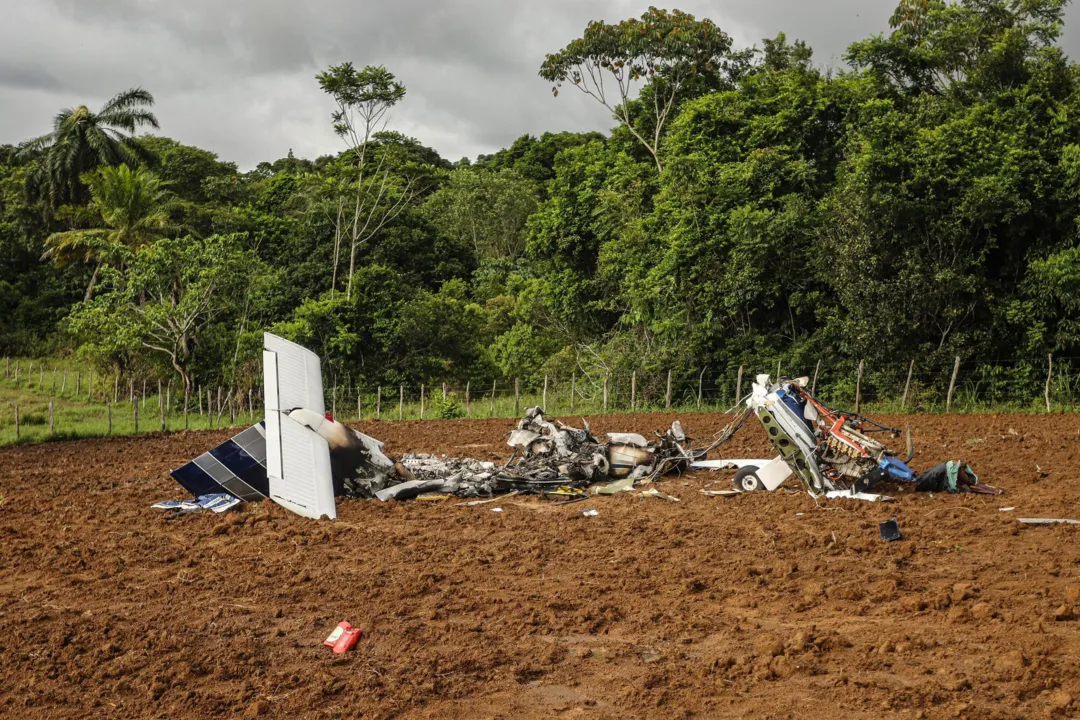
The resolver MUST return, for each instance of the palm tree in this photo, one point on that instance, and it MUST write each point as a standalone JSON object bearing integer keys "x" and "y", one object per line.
{"x": 132, "y": 205}
{"x": 82, "y": 141}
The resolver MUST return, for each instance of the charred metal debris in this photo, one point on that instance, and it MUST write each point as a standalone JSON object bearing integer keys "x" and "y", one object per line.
{"x": 831, "y": 452}
{"x": 548, "y": 458}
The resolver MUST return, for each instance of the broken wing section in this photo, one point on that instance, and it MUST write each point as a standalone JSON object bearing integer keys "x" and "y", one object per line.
{"x": 236, "y": 466}
{"x": 297, "y": 458}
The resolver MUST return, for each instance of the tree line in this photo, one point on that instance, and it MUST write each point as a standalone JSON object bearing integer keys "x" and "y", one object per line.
{"x": 748, "y": 205}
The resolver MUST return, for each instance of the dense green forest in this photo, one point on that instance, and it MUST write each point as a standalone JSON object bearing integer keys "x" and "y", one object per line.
{"x": 748, "y": 206}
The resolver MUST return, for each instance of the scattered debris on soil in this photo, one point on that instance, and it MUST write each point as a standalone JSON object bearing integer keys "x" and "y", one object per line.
{"x": 710, "y": 607}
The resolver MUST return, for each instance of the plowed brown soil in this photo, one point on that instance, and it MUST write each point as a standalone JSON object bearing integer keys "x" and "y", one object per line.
{"x": 762, "y": 605}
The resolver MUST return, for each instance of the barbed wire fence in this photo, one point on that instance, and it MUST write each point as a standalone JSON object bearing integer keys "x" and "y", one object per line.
{"x": 70, "y": 401}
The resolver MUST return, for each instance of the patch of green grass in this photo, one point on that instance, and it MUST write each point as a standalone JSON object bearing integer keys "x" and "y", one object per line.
{"x": 82, "y": 417}
{"x": 79, "y": 409}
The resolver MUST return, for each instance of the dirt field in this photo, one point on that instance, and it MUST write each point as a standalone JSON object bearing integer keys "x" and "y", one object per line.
{"x": 762, "y": 605}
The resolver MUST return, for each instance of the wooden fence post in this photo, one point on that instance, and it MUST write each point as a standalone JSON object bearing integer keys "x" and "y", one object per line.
{"x": 168, "y": 395}
{"x": 468, "y": 406}
{"x": 952, "y": 384}
{"x": 444, "y": 392}
{"x": 907, "y": 384}
{"x": 131, "y": 390}
{"x": 144, "y": 394}
{"x": 63, "y": 384}
{"x": 232, "y": 407}
{"x": 606, "y": 376}
{"x": 813, "y": 386}
{"x": 633, "y": 391}
{"x": 378, "y": 403}
{"x": 187, "y": 402}
{"x": 116, "y": 388}
{"x": 700, "y": 383}
{"x": 517, "y": 399}
{"x": 777, "y": 369}
{"x": 573, "y": 390}
{"x": 491, "y": 412}
{"x": 401, "y": 402}
{"x": 78, "y": 380}
{"x": 333, "y": 401}
{"x": 16, "y": 413}
{"x": 1049, "y": 374}
{"x": 198, "y": 398}
{"x": 738, "y": 386}
{"x": 51, "y": 427}
{"x": 543, "y": 403}
{"x": 667, "y": 395}
{"x": 220, "y": 406}
{"x": 421, "y": 401}
{"x": 858, "y": 388}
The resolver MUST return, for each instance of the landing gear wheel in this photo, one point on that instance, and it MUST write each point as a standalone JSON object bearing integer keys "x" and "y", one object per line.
{"x": 746, "y": 479}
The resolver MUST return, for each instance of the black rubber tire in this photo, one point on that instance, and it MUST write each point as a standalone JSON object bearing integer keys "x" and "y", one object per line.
{"x": 746, "y": 479}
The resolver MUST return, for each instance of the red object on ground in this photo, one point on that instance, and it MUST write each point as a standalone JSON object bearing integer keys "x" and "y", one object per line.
{"x": 348, "y": 640}
{"x": 340, "y": 630}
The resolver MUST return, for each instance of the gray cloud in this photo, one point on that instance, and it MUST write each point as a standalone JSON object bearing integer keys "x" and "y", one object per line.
{"x": 20, "y": 74}
{"x": 237, "y": 76}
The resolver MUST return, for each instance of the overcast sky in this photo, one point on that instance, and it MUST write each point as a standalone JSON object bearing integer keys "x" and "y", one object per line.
{"x": 238, "y": 76}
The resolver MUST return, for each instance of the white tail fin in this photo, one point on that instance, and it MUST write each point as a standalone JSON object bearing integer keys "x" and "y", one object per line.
{"x": 297, "y": 458}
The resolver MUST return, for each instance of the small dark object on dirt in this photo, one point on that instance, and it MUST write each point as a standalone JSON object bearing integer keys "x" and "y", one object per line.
{"x": 890, "y": 530}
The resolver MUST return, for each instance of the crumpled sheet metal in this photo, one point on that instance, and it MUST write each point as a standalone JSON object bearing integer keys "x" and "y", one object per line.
{"x": 547, "y": 455}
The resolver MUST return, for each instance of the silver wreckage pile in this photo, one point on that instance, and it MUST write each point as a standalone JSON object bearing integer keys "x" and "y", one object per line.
{"x": 549, "y": 458}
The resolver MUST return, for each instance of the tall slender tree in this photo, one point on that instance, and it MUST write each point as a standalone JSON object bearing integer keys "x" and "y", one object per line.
{"x": 364, "y": 99}
{"x": 82, "y": 141}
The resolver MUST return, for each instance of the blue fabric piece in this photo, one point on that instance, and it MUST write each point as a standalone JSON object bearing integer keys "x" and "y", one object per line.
{"x": 897, "y": 470}
{"x": 791, "y": 402}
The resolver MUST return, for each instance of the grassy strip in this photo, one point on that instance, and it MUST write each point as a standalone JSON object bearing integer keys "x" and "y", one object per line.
{"x": 81, "y": 412}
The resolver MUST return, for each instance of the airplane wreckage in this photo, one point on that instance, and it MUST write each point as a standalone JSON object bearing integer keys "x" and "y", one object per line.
{"x": 302, "y": 459}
